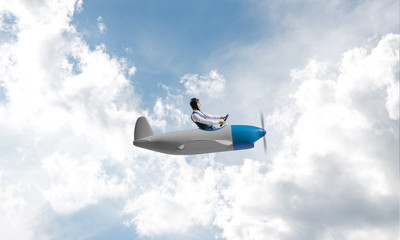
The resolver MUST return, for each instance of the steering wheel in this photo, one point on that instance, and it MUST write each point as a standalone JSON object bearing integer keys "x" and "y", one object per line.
{"x": 226, "y": 117}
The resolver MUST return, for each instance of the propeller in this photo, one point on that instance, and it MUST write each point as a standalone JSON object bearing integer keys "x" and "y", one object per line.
{"x": 264, "y": 139}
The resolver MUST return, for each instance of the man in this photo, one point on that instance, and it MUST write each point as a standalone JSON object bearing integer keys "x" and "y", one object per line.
{"x": 202, "y": 120}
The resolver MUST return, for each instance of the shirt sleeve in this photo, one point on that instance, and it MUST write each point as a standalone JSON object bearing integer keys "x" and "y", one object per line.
{"x": 199, "y": 119}
{"x": 211, "y": 116}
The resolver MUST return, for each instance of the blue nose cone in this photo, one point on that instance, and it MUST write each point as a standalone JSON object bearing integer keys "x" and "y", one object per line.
{"x": 244, "y": 136}
{"x": 263, "y": 132}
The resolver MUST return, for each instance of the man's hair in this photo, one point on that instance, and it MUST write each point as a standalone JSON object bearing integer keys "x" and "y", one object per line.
{"x": 193, "y": 103}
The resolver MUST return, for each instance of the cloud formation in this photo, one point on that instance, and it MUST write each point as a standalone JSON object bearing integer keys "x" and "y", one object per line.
{"x": 100, "y": 24}
{"x": 66, "y": 119}
{"x": 331, "y": 176}
{"x": 185, "y": 194}
{"x": 65, "y": 111}
{"x": 211, "y": 85}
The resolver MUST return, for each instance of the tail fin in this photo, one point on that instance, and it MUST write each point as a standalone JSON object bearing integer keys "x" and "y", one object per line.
{"x": 142, "y": 128}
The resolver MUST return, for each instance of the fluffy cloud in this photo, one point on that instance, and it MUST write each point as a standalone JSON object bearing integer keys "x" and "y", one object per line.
{"x": 132, "y": 71}
{"x": 78, "y": 183}
{"x": 332, "y": 175}
{"x": 102, "y": 27}
{"x": 212, "y": 84}
{"x": 184, "y": 198}
{"x": 20, "y": 214}
{"x": 66, "y": 119}
{"x": 66, "y": 113}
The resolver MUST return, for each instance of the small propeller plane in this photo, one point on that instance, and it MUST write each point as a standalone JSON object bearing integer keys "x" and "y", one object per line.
{"x": 198, "y": 141}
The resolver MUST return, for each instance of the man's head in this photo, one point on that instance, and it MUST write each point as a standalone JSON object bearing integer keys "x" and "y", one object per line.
{"x": 195, "y": 103}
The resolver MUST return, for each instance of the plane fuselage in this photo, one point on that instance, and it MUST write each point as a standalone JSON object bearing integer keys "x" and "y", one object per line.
{"x": 197, "y": 141}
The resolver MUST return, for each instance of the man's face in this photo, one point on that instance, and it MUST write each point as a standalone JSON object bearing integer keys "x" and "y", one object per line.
{"x": 198, "y": 105}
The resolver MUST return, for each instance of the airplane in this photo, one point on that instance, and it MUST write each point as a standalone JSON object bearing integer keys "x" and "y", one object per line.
{"x": 198, "y": 141}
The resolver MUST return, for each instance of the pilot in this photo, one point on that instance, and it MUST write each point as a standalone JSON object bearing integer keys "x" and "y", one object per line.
{"x": 202, "y": 120}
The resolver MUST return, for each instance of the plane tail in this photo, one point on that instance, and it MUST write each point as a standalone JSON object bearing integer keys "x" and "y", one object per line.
{"x": 142, "y": 128}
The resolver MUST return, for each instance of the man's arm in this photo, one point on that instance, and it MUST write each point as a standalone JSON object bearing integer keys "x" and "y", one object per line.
{"x": 213, "y": 116}
{"x": 216, "y": 117}
{"x": 199, "y": 119}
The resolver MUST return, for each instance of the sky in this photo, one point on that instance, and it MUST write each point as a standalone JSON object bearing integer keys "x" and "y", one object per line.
{"x": 75, "y": 75}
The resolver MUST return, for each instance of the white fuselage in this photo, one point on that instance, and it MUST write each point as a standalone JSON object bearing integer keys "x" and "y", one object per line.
{"x": 188, "y": 142}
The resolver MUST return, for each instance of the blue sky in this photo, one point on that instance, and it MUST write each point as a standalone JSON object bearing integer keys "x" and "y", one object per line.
{"x": 167, "y": 40}
{"x": 75, "y": 75}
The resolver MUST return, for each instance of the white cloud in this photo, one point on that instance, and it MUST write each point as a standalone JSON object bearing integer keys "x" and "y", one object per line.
{"x": 77, "y": 183}
{"x": 7, "y": 22}
{"x": 379, "y": 69}
{"x": 66, "y": 125}
{"x": 184, "y": 198}
{"x": 102, "y": 27}
{"x": 331, "y": 176}
{"x": 212, "y": 84}
{"x": 292, "y": 33}
{"x": 20, "y": 215}
{"x": 132, "y": 71}
{"x": 171, "y": 109}
{"x": 250, "y": 207}
{"x": 67, "y": 112}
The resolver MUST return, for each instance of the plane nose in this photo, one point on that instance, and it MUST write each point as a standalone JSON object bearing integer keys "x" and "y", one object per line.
{"x": 244, "y": 136}
{"x": 262, "y": 132}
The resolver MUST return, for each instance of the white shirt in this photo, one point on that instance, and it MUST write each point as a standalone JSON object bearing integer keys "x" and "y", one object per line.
{"x": 206, "y": 119}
